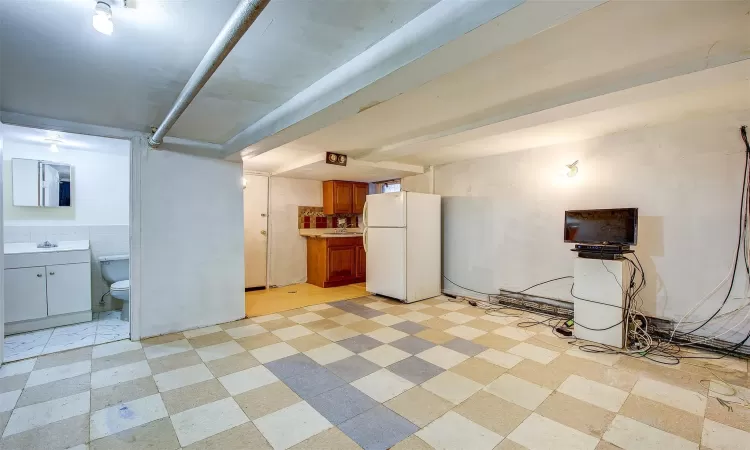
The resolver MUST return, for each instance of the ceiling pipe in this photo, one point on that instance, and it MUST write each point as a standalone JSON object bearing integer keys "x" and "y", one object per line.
{"x": 242, "y": 17}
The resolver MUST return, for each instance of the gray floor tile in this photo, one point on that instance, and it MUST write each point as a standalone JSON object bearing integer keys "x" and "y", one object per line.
{"x": 412, "y": 344}
{"x": 292, "y": 366}
{"x": 4, "y": 418}
{"x": 58, "y": 435}
{"x": 409, "y": 327}
{"x": 56, "y": 389}
{"x": 123, "y": 392}
{"x": 118, "y": 359}
{"x": 242, "y": 437}
{"x": 359, "y": 344}
{"x": 466, "y": 347}
{"x": 158, "y": 434}
{"x": 341, "y": 404}
{"x": 378, "y": 429}
{"x": 415, "y": 369}
{"x": 13, "y": 383}
{"x": 62, "y": 358}
{"x": 314, "y": 382}
{"x": 353, "y": 368}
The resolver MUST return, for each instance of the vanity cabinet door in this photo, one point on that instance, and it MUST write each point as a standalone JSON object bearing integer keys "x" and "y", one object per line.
{"x": 25, "y": 294}
{"x": 68, "y": 288}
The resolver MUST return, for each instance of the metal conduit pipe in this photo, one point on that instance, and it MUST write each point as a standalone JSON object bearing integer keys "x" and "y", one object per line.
{"x": 239, "y": 22}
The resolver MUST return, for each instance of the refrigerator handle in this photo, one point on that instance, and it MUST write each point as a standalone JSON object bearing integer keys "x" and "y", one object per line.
{"x": 364, "y": 214}
{"x": 364, "y": 239}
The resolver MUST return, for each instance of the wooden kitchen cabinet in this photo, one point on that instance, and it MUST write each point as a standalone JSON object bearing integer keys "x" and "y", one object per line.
{"x": 344, "y": 197}
{"x": 335, "y": 261}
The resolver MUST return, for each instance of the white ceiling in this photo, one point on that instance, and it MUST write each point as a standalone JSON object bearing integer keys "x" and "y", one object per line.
{"x": 55, "y": 65}
{"x": 12, "y": 134}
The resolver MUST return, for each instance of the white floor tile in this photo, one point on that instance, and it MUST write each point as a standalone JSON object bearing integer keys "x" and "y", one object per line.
{"x": 382, "y": 385}
{"x": 289, "y": 333}
{"x": 273, "y": 352}
{"x": 247, "y": 380}
{"x": 170, "y": 348}
{"x": 8, "y": 400}
{"x": 442, "y": 357}
{"x": 125, "y": 416}
{"x": 592, "y": 392}
{"x": 17, "y": 368}
{"x": 452, "y": 387}
{"x": 630, "y": 434}
{"x": 465, "y": 332}
{"x": 249, "y": 330}
{"x": 25, "y": 345}
{"x": 385, "y": 355}
{"x": 671, "y": 395}
{"x": 347, "y": 319}
{"x": 534, "y": 353}
{"x": 453, "y": 431}
{"x": 68, "y": 342}
{"x": 291, "y": 425}
{"x": 717, "y": 436}
{"x": 415, "y": 316}
{"x": 386, "y": 334}
{"x": 378, "y": 305}
{"x": 328, "y": 353}
{"x": 540, "y": 433}
{"x": 45, "y": 413}
{"x": 56, "y": 373}
{"x": 416, "y": 306}
{"x": 218, "y": 351}
{"x": 387, "y": 320}
{"x": 267, "y": 318}
{"x": 514, "y": 333}
{"x": 602, "y": 358}
{"x": 204, "y": 421}
{"x": 189, "y": 334}
{"x": 518, "y": 391}
{"x": 338, "y": 333}
{"x": 114, "y": 348}
{"x": 502, "y": 320}
{"x": 452, "y": 306}
{"x": 457, "y": 317}
{"x": 119, "y": 374}
{"x": 499, "y": 358}
{"x": 320, "y": 307}
{"x": 306, "y": 318}
{"x": 185, "y": 376}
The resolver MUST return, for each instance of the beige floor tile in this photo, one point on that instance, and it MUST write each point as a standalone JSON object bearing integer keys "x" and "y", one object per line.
{"x": 241, "y": 437}
{"x": 457, "y": 317}
{"x": 717, "y": 436}
{"x": 415, "y": 316}
{"x": 492, "y": 340}
{"x": 273, "y": 352}
{"x": 604, "y": 445}
{"x": 267, "y": 399}
{"x": 163, "y": 339}
{"x": 412, "y": 443}
{"x": 540, "y": 374}
{"x": 338, "y": 333}
{"x": 365, "y": 326}
{"x": 387, "y": 320}
{"x": 172, "y": 362}
{"x": 515, "y": 333}
{"x": 664, "y": 374}
{"x": 576, "y": 414}
{"x": 258, "y": 341}
{"x": 207, "y": 420}
{"x": 492, "y": 412}
{"x": 114, "y": 348}
{"x": 231, "y": 364}
{"x": 737, "y": 418}
{"x": 633, "y": 435}
{"x": 211, "y": 339}
{"x": 192, "y": 396}
{"x": 52, "y": 374}
{"x": 518, "y": 391}
{"x": 671, "y": 395}
{"x": 62, "y": 434}
{"x": 158, "y": 434}
{"x": 51, "y": 391}
{"x": 384, "y": 355}
{"x": 499, "y": 358}
{"x": 432, "y": 311}
{"x": 435, "y": 336}
{"x": 500, "y": 318}
{"x": 331, "y": 439}
{"x": 274, "y": 325}
{"x": 321, "y": 325}
{"x": 328, "y": 353}
{"x": 308, "y": 342}
{"x": 291, "y": 425}
{"x": 601, "y": 358}
{"x": 453, "y": 305}
{"x": 419, "y": 406}
{"x": 120, "y": 374}
{"x": 292, "y": 332}
{"x": 663, "y": 417}
{"x": 540, "y": 433}
{"x": 330, "y": 312}
{"x": 442, "y": 357}
{"x": 63, "y": 358}
{"x": 236, "y": 324}
{"x": 452, "y": 387}
{"x": 597, "y": 394}
{"x": 437, "y": 323}
{"x": 118, "y": 359}
{"x": 219, "y": 351}
{"x": 185, "y": 376}
{"x": 623, "y": 379}
{"x": 196, "y": 332}
{"x": 453, "y": 431}
{"x": 478, "y": 370}
{"x": 306, "y": 317}
{"x": 480, "y": 324}
{"x": 123, "y": 392}
{"x": 534, "y": 353}
{"x": 396, "y": 310}
{"x": 507, "y": 444}
{"x": 265, "y": 318}
{"x": 166, "y": 349}
{"x": 347, "y": 319}
{"x": 465, "y": 332}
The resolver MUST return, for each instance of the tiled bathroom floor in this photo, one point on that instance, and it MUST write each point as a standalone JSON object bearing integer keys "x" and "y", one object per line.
{"x": 105, "y": 327}
{"x": 372, "y": 374}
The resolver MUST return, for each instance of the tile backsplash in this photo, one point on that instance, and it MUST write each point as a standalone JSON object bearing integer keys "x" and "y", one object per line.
{"x": 314, "y": 217}
{"x": 104, "y": 240}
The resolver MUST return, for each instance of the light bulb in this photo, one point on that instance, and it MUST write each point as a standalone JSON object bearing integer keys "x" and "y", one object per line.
{"x": 102, "y": 20}
{"x": 53, "y": 148}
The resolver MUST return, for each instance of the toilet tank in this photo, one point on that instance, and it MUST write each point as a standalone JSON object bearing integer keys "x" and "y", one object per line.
{"x": 115, "y": 268}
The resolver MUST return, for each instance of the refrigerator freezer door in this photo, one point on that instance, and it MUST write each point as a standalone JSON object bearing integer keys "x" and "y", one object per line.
{"x": 386, "y": 210}
{"x": 386, "y": 262}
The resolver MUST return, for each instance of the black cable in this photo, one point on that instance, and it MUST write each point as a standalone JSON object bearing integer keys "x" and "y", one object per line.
{"x": 539, "y": 284}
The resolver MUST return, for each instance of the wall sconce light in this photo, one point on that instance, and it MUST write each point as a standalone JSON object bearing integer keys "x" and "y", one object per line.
{"x": 572, "y": 169}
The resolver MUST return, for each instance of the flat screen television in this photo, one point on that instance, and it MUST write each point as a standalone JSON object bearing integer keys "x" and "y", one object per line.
{"x": 602, "y": 226}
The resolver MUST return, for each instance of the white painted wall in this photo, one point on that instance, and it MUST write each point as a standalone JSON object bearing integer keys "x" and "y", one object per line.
{"x": 503, "y": 215}
{"x": 2, "y": 260}
{"x": 101, "y": 186}
{"x": 288, "y": 263}
{"x": 190, "y": 266}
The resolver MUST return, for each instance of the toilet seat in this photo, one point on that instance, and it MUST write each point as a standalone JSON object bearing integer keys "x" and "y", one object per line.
{"x": 123, "y": 285}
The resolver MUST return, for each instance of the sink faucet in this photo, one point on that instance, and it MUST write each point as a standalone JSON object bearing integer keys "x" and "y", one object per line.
{"x": 46, "y": 244}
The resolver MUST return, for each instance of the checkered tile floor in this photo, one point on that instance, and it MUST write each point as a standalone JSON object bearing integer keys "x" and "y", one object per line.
{"x": 364, "y": 373}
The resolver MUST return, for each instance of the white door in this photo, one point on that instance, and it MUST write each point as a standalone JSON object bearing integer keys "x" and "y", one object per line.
{"x": 26, "y": 294}
{"x": 68, "y": 288}
{"x": 256, "y": 235}
{"x": 386, "y": 261}
{"x": 385, "y": 210}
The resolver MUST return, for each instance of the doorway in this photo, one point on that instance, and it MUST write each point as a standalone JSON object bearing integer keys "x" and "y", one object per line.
{"x": 255, "y": 206}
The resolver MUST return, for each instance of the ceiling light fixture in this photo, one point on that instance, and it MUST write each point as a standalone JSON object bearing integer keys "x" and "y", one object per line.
{"x": 102, "y": 20}
{"x": 572, "y": 169}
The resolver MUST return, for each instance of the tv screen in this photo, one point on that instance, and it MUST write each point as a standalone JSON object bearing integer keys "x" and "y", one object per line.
{"x": 602, "y": 226}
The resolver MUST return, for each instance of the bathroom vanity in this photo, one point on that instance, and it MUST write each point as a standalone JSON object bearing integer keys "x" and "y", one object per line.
{"x": 46, "y": 287}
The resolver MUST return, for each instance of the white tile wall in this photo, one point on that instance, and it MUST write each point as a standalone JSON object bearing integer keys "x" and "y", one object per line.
{"x": 104, "y": 239}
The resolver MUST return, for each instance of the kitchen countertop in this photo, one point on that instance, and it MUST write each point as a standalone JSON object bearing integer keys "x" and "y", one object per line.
{"x": 326, "y": 233}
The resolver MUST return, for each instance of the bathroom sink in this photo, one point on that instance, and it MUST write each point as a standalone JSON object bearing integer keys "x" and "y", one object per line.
{"x": 31, "y": 247}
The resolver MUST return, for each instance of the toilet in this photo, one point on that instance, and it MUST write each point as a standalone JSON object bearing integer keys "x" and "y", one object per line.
{"x": 116, "y": 271}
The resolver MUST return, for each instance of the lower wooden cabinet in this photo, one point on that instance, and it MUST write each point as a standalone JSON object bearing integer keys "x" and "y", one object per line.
{"x": 335, "y": 261}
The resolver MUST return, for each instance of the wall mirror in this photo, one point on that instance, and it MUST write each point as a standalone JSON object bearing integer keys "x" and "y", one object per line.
{"x": 41, "y": 183}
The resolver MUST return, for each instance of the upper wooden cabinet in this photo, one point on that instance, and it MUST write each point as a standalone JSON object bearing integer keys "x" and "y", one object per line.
{"x": 344, "y": 197}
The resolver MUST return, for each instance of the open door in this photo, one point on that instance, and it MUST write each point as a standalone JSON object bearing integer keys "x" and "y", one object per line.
{"x": 256, "y": 230}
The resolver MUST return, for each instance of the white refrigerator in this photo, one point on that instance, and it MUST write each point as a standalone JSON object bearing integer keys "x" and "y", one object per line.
{"x": 402, "y": 240}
